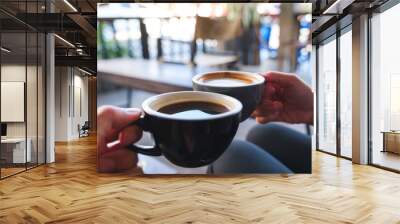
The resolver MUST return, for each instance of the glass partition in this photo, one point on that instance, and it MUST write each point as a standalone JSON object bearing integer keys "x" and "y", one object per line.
{"x": 346, "y": 94}
{"x": 13, "y": 94}
{"x": 22, "y": 88}
{"x": 327, "y": 96}
{"x": 385, "y": 89}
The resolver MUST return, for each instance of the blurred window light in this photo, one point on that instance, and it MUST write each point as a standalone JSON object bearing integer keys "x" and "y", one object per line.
{"x": 309, "y": 47}
{"x": 107, "y": 32}
{"x": 120, "y": 25}
{"x": 304, "y": 35}
{"x": 395, "y": 91}
{"x": 269, "y": 8}
{"x": 204, "y": 10}
{"x": 220, "y": 10}
{"x": 122, "y": 36}
{"x": 211, "y": 43}
{"x": 121, "y": 29}
{"x": 308, "y": 18}
{"x": 396, "y": 81}
{"x": 153, "y": 27}
{"x": 134, "y": 29}
{"x": 185, "y": 9}
{"x": 274, "y": 41}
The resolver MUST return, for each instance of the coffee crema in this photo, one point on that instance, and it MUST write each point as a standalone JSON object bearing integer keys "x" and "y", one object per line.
{"x": 193, "y": 109}
{"x": 226, "y": 79}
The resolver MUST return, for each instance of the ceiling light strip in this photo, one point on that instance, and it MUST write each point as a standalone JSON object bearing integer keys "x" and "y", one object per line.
{"x": 328, "y": 10}
{"x": 64, "y": 40}
{"x": 5, "y": 50}
{"x": 70, "y": 5}
{"x": 86, "y": 72}
{"x": 337, "y": 7}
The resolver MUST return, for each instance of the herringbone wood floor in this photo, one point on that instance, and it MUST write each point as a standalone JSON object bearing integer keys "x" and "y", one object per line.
{"x": 70, "y": 191}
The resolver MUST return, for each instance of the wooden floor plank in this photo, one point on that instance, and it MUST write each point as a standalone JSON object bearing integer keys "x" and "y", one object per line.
{"x": 70, "y": 191}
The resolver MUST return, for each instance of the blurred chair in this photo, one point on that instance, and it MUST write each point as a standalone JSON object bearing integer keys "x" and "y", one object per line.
{"x": 84, "y": 130}
{"x": 220, "y": 29}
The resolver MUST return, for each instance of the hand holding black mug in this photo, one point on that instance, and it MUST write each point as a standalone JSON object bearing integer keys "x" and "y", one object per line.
{"x": 190, "y": 128}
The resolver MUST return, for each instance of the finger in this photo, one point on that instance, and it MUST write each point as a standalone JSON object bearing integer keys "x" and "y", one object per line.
{"x": 101, "y": 147}
{"x": 109, "y": 118}
{"x": 265, "y": 114}
{"x": 104, "y": 143}
{"x": 261, "y": 120}
{"x": 126, "y": 116}
{"x": 112, "y": 147}
{"x": 283, "y": 79}
{"x": 110, "y": 136}
{"x": 127, "y": 159}
{"x": 259, "y": 113}
{"x": 269, "y": 91}
{"x": 270, "y": 111}
{"x": 117, "y": 161}
{"x": 277, "y": 105}
{"x": 267, "y": 107}
{"x": 126, "y": 137}
{"x": 118, "y": 117}
{"x": 268, "y": 118}
{"x": 105, "y": 165}
{"x": 130, "y": 135}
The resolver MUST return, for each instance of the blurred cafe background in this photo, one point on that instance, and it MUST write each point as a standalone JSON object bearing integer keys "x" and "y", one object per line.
{"x": 148, "y": 48}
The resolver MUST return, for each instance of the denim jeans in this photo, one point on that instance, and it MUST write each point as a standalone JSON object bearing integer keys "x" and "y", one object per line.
{"x": 270, "y": 148}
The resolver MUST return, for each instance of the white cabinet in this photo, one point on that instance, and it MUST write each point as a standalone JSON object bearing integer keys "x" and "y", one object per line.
{"x": 17, "y": 148}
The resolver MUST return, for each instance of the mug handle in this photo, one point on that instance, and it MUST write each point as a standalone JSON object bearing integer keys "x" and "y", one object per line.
{"x": 142, "y": 149}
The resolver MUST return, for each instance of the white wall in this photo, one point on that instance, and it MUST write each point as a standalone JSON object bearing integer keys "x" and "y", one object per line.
{"x": 71, "y": 93}
{"x": 62, "y": 81}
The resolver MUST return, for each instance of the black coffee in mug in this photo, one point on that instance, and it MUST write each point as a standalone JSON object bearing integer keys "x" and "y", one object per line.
{"x": 193, "y": 109}
{"x": 190, "y": 128}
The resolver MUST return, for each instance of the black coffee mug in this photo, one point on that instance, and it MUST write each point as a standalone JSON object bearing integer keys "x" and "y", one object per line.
{"x": 249, "y": 93}
{"x": 188, "y": 141}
